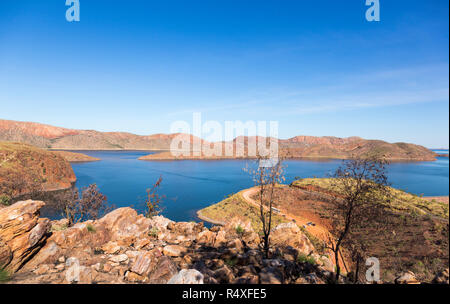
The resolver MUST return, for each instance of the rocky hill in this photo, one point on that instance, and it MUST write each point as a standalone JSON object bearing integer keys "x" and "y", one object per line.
{"x": 50, "y": 137}
{"x": 25, "y": 169}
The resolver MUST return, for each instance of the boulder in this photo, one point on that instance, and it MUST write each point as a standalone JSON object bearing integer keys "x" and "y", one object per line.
{"x": 206, "y": 237}
{"x": 224, "y": 275}
{"x": 160, "y": 222}
{"x": 174, "y": 250}
{"x": 187, "y": 276}
{"x": 163, "y": 271}
{"x": 145, "y": 262}
{"x": 441, "y": 278}
{"x": 125, "y": 225}
{"x": 187, "y": 229}
{"x": 271, "y": 275}
{"x": 121, "y": 258}
{"x": 407, "y": 278}
{"x": 22, "y": 232}
{"x": 289, "y": 236}
{"x": 111, "y": 248}
{"x": 221, "y": 239}
{"x": 135, "y": 278}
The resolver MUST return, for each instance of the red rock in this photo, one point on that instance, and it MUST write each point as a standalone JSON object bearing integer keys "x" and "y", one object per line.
{"x": 22, "y": 231}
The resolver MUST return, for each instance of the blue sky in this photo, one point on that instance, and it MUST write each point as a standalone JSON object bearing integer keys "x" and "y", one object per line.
{"x": 317, "y": 67}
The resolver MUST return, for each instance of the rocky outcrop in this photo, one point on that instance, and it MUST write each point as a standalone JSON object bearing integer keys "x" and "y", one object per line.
{"x": 26, "y": 169}
{"x": 22, "y": 233}
{"x": 125, "y": 247}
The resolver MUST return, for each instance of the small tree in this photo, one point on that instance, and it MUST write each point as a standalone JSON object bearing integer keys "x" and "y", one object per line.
{"x": 266, "y": 177}
{"x": 90, "y": 205}
{"x": 361, "y": 189}
{"x": 153, "y": 200}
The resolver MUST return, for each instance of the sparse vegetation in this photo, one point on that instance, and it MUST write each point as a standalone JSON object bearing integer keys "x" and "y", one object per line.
{"x": 90, "y": 205}
{"x": 153, "y": 200}
{"x": 230, "y": 262}
{"x": 401, "y": 201}
{"x": 4, "y": 275}
{"x": 360, "y": 195}
{"x": 59, "y": 227}
{"x": 90, "y": 228}
{"x": 153, "y": 232}
{"x": 266, "y": 177}
{"x": 27, "y": 171}
{"x": 303, "y": 258}
{"x": 236, "y": 206}
{"x": 239, "y": 230}
{"x": 5, "y": 200}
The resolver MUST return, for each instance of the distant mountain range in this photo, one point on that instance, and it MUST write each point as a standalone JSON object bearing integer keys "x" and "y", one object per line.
{"x": 50, "y": 137}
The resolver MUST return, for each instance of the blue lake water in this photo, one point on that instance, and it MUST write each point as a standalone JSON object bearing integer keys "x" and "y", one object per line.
{"x": 193, "y": 185}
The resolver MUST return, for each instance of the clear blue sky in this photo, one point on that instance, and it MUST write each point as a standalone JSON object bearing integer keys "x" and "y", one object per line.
{"x": 317, "y": 67}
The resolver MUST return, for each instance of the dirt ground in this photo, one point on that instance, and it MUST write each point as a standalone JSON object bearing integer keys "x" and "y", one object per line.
{"x": 401, "y": 242}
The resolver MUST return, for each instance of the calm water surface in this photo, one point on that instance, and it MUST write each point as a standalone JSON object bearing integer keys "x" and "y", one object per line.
{"x": 192, "y": 185}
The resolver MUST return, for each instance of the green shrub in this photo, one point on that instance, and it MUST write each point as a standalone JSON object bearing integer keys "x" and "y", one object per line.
{"x": 239, "y": 229}
{"x": 59, "y": 228}
{"x": 153, "y": 232}
{"x": 91, "y": 228}
{"x": 4, "y": 275}
{"x": 231, "y": 262}
{"x": 303, "y": 258}
{"x": 5, "y": 200}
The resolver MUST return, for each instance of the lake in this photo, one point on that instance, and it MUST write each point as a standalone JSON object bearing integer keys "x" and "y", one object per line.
{"x": 192, "y": 185}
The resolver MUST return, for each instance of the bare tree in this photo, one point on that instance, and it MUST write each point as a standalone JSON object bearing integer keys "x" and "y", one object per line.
{"x": 266, "y": 177}
{"x": 90, "y": 205}
{"x": 361, "y": 191}
{"x": 153, "y": 200}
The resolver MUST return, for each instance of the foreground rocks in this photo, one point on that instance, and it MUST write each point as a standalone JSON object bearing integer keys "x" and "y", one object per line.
{"x": 124, "y": 247}
{"x": 22, "y": 233}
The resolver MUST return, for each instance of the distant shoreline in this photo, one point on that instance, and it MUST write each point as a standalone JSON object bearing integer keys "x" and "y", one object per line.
{"x": 155, "y": 157}
{"x": 442, "y": 199}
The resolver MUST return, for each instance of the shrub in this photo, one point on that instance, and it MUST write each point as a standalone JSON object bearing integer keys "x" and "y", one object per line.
{"x": 5, "y": 200}
{"x": 4, "y": 275}
{"x": 90, "y": 205}
{"x": 90, "y": 228}
{"x": 303, "y": 258}
{"x": 239, "y": 229}
{"x": 153, "y": 200}
{"x": 231, "y": 262}
{"x": 59, "y": 227}
{"x": 153, "y": 232}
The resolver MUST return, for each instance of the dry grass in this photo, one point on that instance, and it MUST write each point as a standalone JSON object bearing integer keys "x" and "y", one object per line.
{"x": 236, "y": 206}
{"x": 401, "y": 201}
